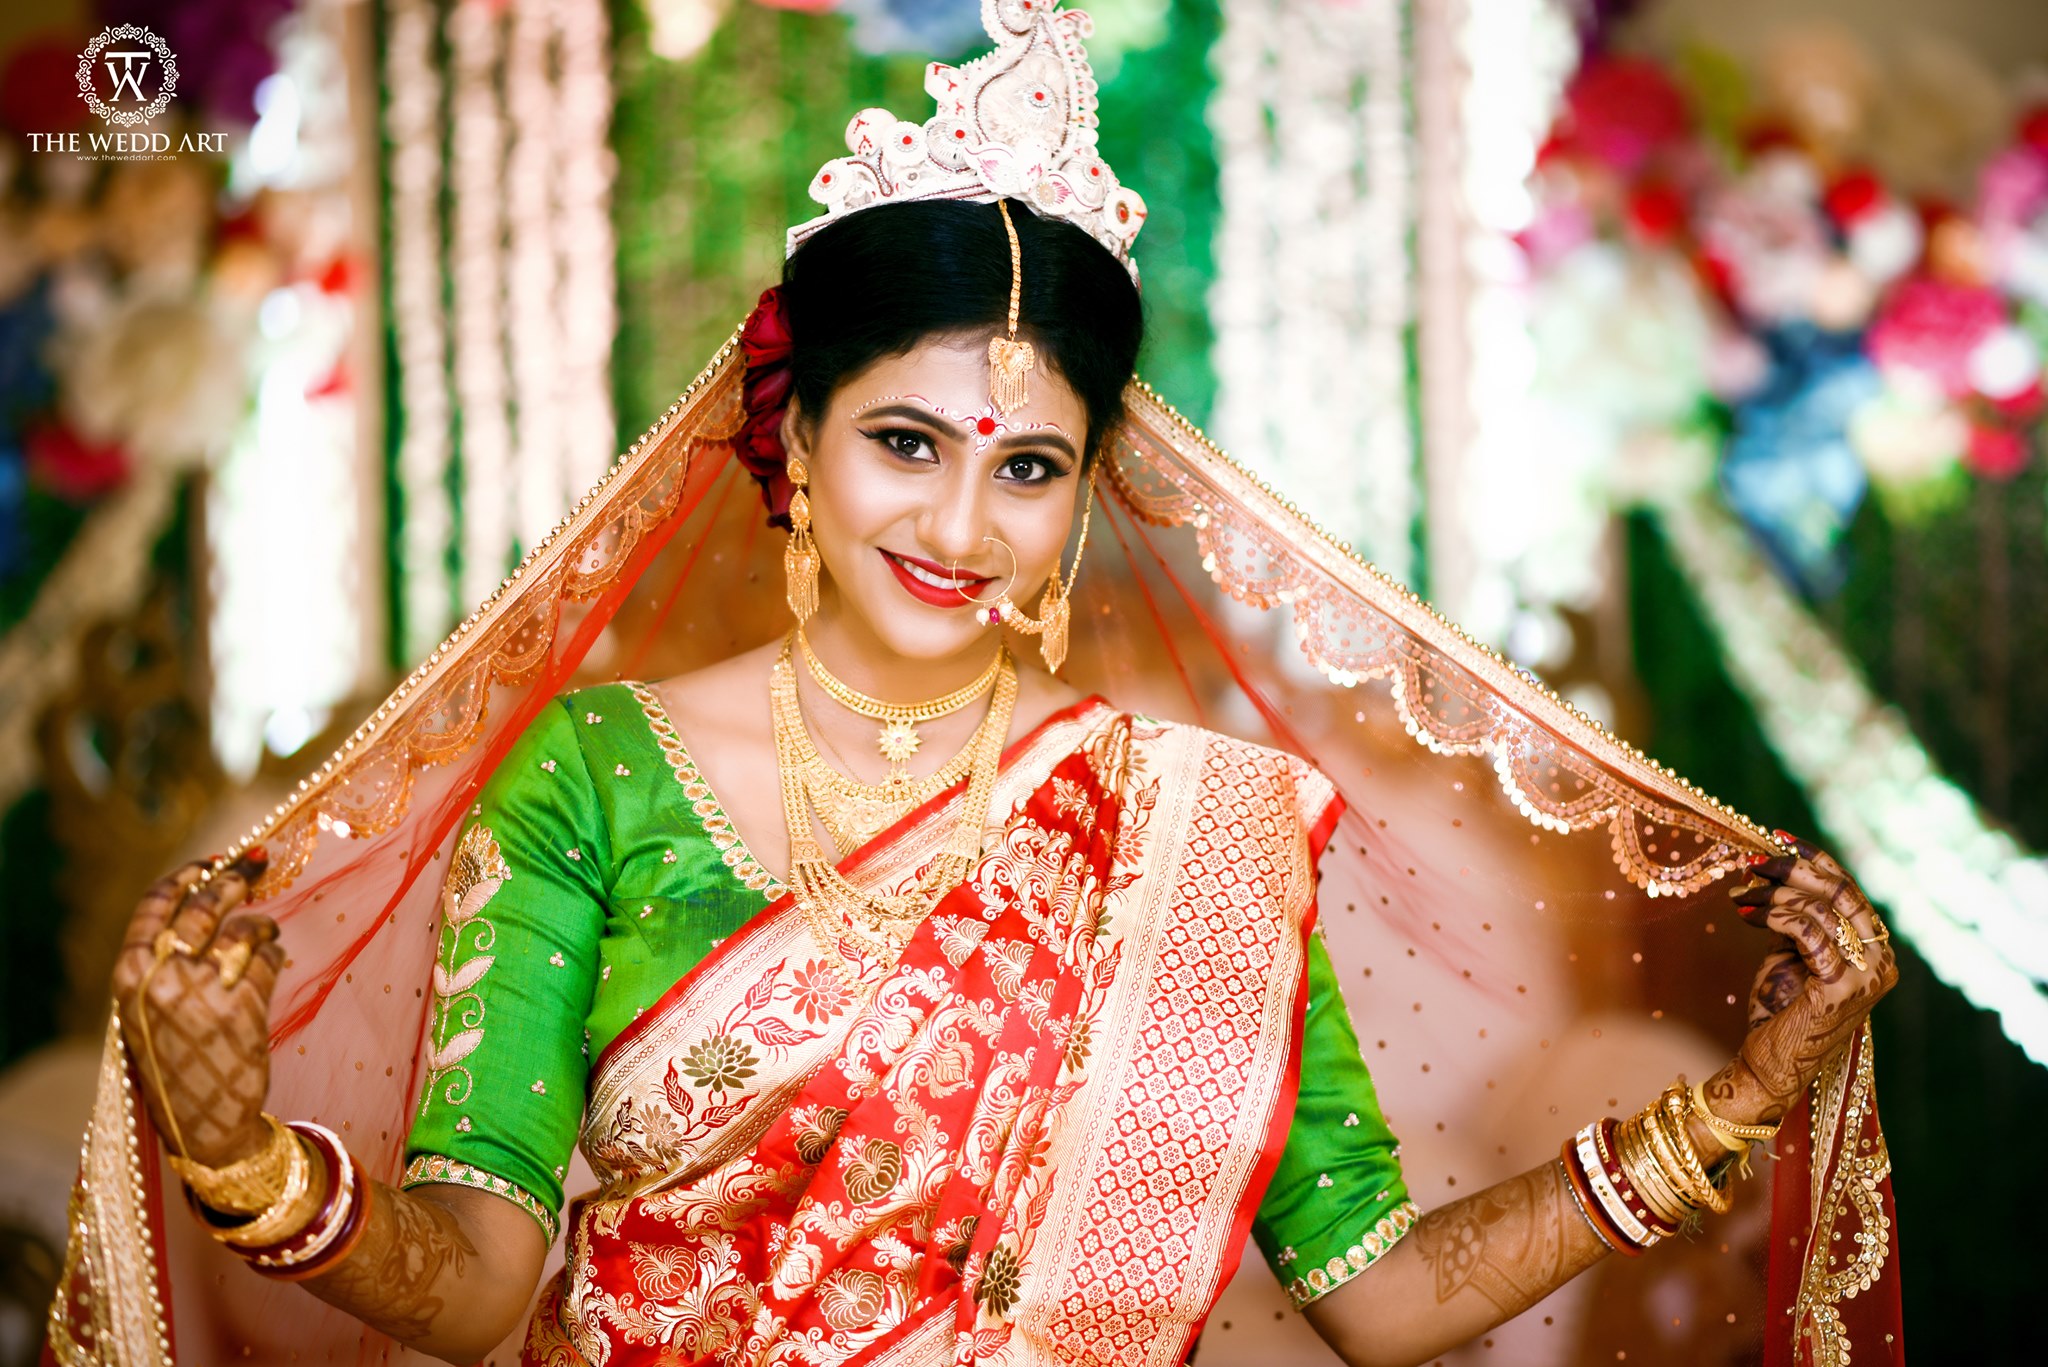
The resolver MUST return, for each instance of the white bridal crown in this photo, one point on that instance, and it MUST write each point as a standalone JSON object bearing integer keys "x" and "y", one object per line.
{"x": 1017, "y": 123}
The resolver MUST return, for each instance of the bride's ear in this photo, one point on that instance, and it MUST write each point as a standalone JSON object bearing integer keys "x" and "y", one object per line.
{"x": 796, "y": 433}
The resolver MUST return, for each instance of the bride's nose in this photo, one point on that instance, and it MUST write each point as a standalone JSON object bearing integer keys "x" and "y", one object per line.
{"x": 955, "y": 519}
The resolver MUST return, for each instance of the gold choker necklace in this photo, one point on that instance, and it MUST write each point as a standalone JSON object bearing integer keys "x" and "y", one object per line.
{"x": 898, "y": 739}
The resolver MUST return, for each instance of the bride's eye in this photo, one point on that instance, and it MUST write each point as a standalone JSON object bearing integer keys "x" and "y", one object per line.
{"x": 1028, "y": 469}
{"x": 905, "y": 442}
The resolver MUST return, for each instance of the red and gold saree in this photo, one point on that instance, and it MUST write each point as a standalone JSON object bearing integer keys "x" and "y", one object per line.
{"x": 1037, "y": 1136}
{"x": 1042, "y": 1135}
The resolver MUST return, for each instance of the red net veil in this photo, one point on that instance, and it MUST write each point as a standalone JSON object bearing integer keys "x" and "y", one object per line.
{"x": 1525, "y": 913}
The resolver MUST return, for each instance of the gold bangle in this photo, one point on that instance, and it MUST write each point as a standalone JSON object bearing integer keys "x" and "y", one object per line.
{"x": 1646, "y": 1175}
{"x": 293, "y": 1209}
{"x": 1668, "y": 1125}
{"x": 1728, "y": 1131}
{"x": 248, "y": 1185}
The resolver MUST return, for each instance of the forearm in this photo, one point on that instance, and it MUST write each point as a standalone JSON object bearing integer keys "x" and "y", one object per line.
{"x": 1463, "y": 1269}
{"x": 418, "y": 1276}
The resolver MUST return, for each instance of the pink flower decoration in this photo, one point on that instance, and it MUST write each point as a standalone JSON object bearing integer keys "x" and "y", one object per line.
{"x": 1931, "y": 327}
{"x": 2013, "y": 189}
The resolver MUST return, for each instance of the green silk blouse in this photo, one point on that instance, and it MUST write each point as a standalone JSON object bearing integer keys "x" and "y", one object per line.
{"x": 615, "y": 872}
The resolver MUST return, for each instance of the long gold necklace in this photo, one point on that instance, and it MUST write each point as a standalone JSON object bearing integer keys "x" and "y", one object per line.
{"x": 836, "y": 909}
{"x": 898, "y": 739}
{"x": 855, "y": 812}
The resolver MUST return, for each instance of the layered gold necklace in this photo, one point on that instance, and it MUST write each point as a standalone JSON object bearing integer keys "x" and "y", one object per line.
{"x": 898, "y": 739}
{"x": 836, "y": 908}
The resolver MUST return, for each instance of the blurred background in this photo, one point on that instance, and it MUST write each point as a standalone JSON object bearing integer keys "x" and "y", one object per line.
{"x": 1691, "y": 351}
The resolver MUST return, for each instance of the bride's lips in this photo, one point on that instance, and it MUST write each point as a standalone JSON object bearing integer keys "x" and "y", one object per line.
{"x": 956, "y": 592}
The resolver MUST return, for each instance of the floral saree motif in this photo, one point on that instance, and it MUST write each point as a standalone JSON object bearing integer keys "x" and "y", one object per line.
{"x": 949, "y": 1167}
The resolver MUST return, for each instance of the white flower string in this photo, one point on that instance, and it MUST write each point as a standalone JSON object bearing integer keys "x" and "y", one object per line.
{"x": 478, "y": 136}
{"x": 289, "y": 523}
{"x": 1488, "y": 78}
{"x": 1970, "y": 899}
{"x": 1315, "y": 290}
{"x": 529, "y": 176}
{"x": 586, "y": 268}
{"x": 412, "y": 126}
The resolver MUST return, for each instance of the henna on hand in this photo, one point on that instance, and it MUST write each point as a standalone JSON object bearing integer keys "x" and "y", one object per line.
{"x": 1461, "y": 1270}
{"x": 398, "y": 1278}
{"x": 1809, "y": 999}
{"x": 201, "y": 1043}
{"x": 1506, "y": 1244}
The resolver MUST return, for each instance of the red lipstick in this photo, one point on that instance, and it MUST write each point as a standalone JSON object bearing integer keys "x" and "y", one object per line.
{"x": 958, "y": 590}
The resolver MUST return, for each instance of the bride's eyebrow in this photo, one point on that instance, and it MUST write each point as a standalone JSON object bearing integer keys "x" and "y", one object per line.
{"x": 894, "y": 408}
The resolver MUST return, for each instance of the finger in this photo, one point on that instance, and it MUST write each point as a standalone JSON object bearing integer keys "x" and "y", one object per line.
{"x": 1773, "y": 867}
{"x": 1806, "y": 848}
{"x": 264, "y": 970}
{"x": 1815, "y": 940}
{"x": 1836, "y": 889}
{"x": 1755, "y": 904}
{"x": 204, "y": 908}
{"x": 152, "y": 913}
{"x": 235, "y": 945}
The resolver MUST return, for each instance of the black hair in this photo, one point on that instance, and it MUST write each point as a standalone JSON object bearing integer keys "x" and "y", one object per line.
{"x": 879, "y": 282}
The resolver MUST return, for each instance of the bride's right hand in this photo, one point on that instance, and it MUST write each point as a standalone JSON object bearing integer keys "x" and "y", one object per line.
{"x": 203, "y": 976}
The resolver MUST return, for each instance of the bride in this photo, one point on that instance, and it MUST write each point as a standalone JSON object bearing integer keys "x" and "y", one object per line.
{"x": 906, "y": 1002}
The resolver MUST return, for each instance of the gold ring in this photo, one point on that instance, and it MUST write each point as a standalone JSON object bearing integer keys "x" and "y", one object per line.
{"x": 1852, "y": 946}
{"x": 233, "y": 960}
{"x": 1884, "y": 933}
{"x": 168, "y": 943}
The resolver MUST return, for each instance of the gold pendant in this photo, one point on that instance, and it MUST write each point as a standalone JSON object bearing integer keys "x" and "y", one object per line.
{"x": 898, "y": 741}
{"x": 1010, "y": 363}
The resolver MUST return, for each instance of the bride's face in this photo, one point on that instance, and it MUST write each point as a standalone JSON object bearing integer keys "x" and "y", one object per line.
{"x": 916, "y": 478}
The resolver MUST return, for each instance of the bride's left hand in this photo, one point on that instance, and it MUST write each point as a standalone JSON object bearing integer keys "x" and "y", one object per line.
{"x": 1810, "y": 998}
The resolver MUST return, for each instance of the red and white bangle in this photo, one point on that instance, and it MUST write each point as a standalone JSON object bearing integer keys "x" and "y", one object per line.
{"x": 332, "y": 1234}
{"x": 1589, "y": 1206}
{"x": 1616, "y": 1176}
{"x": 1614, "y": 1211}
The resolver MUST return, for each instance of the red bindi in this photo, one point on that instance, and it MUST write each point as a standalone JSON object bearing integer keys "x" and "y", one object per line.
{"x": 987, "y": 427}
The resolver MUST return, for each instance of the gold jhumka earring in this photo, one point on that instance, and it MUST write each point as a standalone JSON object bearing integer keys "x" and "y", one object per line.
{"x": 800, "y": 555}
{"x": 1056, "y": 608}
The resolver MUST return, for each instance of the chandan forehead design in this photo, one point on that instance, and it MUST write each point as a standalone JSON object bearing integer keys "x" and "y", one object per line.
{"x": 984, "y": 428}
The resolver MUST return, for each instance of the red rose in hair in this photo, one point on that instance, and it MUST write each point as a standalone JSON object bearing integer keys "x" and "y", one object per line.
{"x": 764, "y": 342}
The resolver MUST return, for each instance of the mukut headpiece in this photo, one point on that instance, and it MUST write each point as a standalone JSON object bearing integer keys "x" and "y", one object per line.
{"x": 1018, "y": 123}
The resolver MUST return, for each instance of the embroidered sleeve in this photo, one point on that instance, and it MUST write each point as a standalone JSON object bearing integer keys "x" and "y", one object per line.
{"x": 516, "y": 963}
{"x": 1337, "y": 1202}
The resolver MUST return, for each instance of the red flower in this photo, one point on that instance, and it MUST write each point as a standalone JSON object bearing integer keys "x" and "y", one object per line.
{"x": 2034, "y": 128}
{"x": 70, "y": 466}
{"x": 39, "y": 86}
{"x": 1655, "y": 212}
{"x": 1853, "y": 196}
{"x": 764, "y": 394}
{"x": 1996, "y": 452}
{"x": 1621, "y": 111}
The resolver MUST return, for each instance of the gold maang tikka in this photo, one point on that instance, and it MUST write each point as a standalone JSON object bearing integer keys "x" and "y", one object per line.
{"x": 1010, "y": 359}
